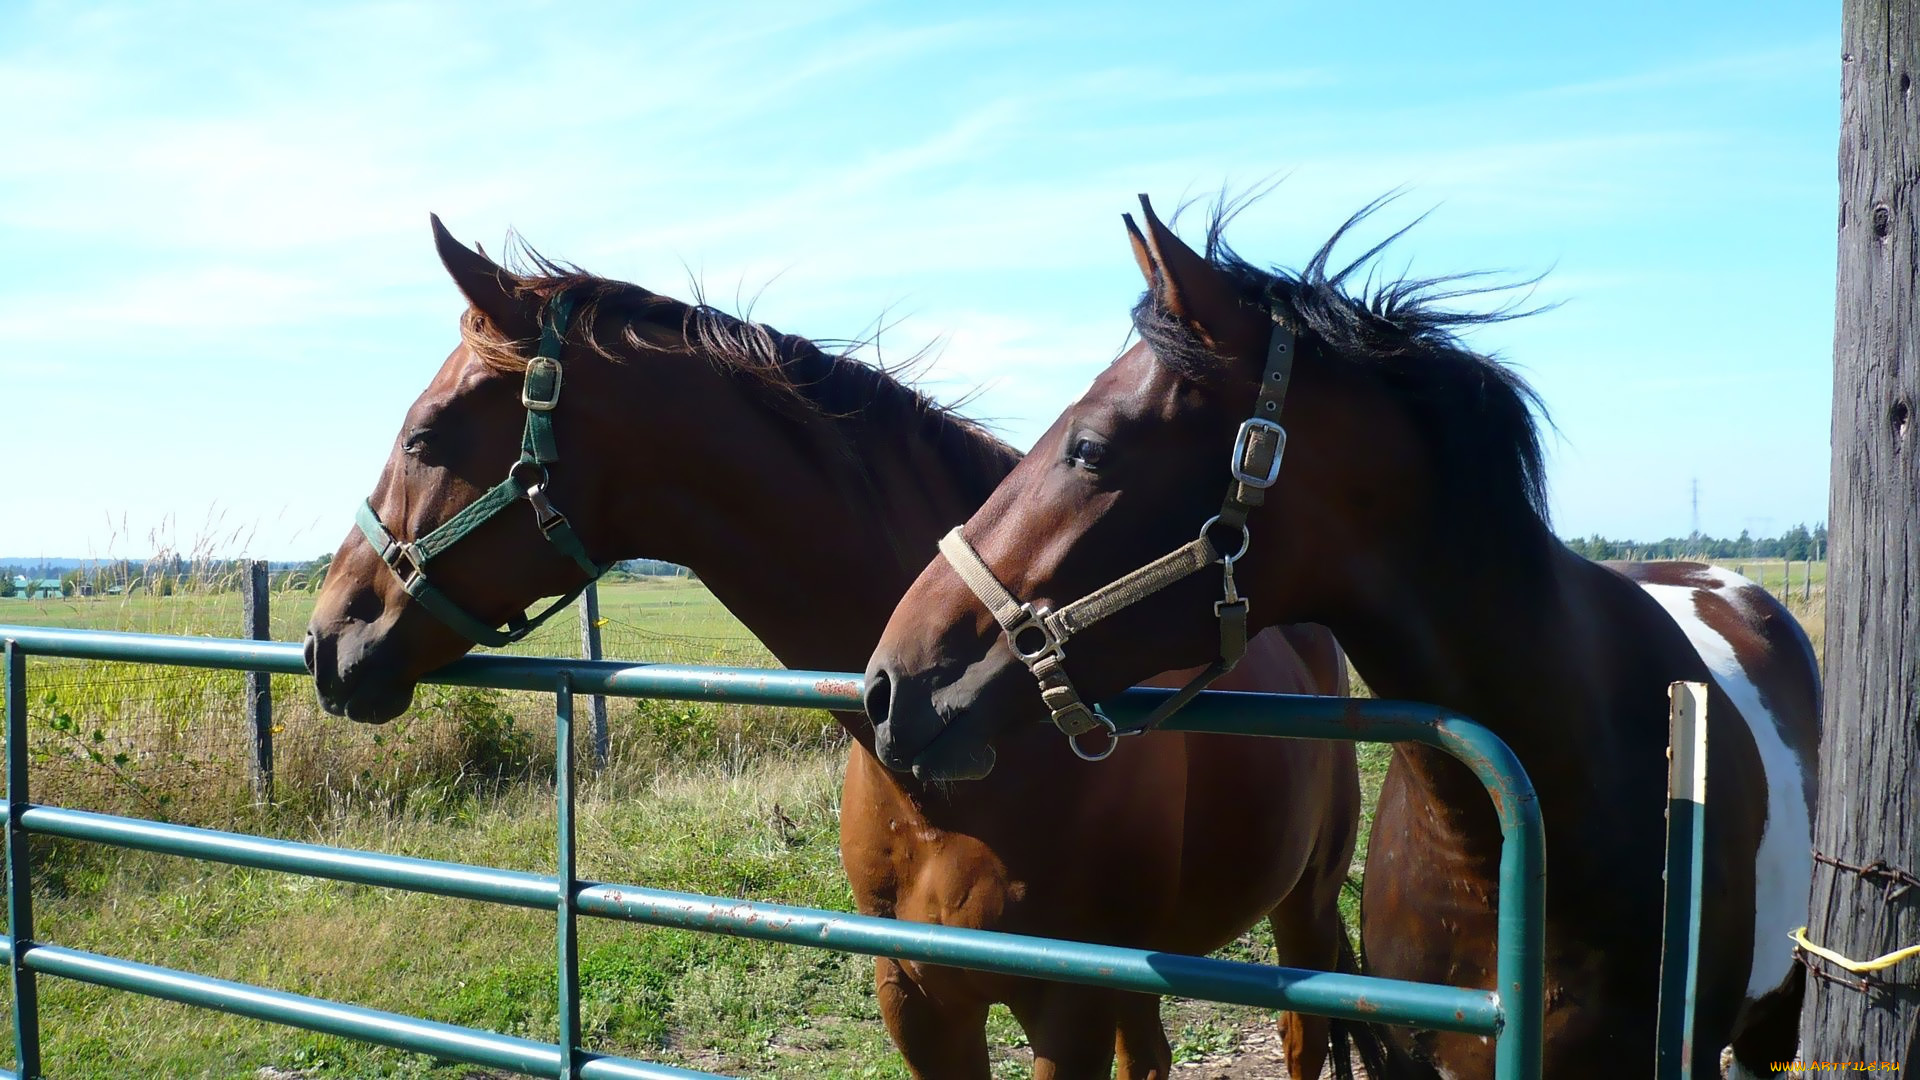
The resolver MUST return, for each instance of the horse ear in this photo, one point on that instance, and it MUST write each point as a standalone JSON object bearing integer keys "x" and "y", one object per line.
{"x": 1187, "y": 284}
{"x": 491, "y": 290}
{"x": 1141, "y": 254}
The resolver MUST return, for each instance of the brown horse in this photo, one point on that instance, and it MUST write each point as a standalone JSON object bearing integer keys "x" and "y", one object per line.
{"x": 1409, "y": 518}
{"x": 806, "y": 490}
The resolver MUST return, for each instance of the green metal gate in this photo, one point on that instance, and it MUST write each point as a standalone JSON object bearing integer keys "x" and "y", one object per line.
{"x": 1510, "y": 1014}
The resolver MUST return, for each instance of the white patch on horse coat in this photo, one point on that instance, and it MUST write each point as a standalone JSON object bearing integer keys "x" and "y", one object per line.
{"x": 1784, "y": 863}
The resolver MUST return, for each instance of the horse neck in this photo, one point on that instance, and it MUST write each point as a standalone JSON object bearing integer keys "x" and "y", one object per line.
{"x": 1507, "y": 639}
{"x": 810, "y": 538}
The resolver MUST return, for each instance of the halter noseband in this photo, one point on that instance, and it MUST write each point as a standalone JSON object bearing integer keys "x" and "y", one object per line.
{"x": 1038, "y": 635}
{"x": 526, "y": 479}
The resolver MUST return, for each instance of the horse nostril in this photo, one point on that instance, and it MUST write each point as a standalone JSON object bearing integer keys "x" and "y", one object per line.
{"x": 879, "y": 693}
{"x": 312, "y": 647}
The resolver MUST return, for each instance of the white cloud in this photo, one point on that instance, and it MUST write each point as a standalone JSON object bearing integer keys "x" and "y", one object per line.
{"x": 235, "y": 182}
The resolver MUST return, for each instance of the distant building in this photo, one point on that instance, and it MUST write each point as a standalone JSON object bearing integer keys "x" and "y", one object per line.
{"x": 36, "y": 588}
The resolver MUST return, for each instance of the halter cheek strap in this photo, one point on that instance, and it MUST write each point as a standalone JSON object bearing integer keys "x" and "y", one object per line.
{"x": 1038, "y": 636}
{"x": 526, "y": 479}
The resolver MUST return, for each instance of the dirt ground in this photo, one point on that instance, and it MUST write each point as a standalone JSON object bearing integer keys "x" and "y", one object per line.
{"x": 1255, "y": 1057}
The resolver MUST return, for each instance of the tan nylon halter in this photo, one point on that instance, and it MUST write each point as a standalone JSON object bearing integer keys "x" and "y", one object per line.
{"x": 1254, "y": 466}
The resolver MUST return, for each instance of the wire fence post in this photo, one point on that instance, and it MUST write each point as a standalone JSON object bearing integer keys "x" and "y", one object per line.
{"x": 590, "y": 645}
{"x": 259, "y": 684}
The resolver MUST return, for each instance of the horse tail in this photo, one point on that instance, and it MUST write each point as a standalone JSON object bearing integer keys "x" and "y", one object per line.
{"x": 1356, "y": 1036}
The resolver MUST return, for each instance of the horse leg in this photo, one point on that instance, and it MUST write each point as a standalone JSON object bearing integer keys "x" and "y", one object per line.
{"x": 939, "y": 1039}
{"x": 1307, "y": 933}
{"x": 1140, "y": 1046}
{"x": 1072, "y": 1030}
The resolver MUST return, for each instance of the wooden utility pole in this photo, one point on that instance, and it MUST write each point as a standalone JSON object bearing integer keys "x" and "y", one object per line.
{"x": 1869, "y": 784}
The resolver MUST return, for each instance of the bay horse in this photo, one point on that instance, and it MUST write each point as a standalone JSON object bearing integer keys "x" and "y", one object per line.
{"x": 806, "y": 490}
{"x": 1410, "y": 519}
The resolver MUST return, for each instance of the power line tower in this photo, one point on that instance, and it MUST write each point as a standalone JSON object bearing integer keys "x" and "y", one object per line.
{"x": 1693, "y": 538}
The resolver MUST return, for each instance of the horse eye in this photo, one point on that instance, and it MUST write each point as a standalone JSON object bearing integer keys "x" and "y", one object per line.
{"x": 418, "y": 441}
{"x": 1087, "y": 453}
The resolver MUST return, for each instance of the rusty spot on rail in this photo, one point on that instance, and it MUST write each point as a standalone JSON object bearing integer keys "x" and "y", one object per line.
{"x": 849, "y": 689}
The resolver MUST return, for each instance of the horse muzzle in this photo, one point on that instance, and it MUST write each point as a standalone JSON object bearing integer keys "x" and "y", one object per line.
{"x": 349, "y": 679}
{"x": 944, "y": 731}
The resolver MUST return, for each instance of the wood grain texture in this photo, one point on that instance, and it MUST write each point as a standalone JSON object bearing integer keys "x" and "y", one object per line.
{"x": 1868, "y": 786}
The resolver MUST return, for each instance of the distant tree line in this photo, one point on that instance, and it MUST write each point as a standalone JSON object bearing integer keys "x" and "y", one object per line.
{"x": 160, "y": 576}
{"x": 652, "y": 568}
{"x": 1798, "y": 543}
{"x": 313, "y": 574}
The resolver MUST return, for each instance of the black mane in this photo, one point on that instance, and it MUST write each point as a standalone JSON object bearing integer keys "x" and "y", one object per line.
{"x": 1480, "y": 417}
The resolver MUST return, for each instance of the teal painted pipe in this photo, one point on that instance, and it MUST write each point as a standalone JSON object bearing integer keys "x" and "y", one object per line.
{"x": 1356, "y": 997}
{"x": 614, "y": 678}
{"x": 1512, "y": 1011}
{"x": 565, "y": 882}
{"x": 458, "y": 880}
{"x": 26, "y": 995}
{"x": 446, "y": 1041}
{"x": 1686, "y": 877}
{"x": 1360, "y": 997}
{"x": 1520, "y": 974}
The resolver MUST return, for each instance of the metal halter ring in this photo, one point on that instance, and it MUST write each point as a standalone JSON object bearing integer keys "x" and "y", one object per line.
{"x": 1246, "y": 538}
{"x": 1033, "y": 618}
{"x": 520, "y": 467}
{"x": 1113, "y": 739}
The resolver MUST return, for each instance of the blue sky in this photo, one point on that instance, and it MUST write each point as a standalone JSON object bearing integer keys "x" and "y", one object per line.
{"x": 218, "y": 293}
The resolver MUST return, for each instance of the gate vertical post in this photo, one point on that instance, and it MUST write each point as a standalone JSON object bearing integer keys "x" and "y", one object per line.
{"x": 1520, "y": 966}
{"x": 26, "y": 995}
{"x": 1686, "y": 850}
{"x": 567, "y": 879}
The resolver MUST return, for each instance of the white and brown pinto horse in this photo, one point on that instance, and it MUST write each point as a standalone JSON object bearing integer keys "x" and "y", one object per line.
{"x": 1409, "y": 518}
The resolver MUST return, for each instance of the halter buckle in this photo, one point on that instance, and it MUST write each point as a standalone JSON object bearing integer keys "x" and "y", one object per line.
{"x": 415, "y": 583}
{"x": 544, "y": 398}
{"x": 1033, "y": 618}
{"x": 405, "y": 549}
{"x": 1243, "y": 442}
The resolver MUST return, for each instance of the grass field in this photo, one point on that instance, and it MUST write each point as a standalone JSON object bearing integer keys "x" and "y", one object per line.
{"x": 730, "y": 801}
{"x": 642, "y": 615}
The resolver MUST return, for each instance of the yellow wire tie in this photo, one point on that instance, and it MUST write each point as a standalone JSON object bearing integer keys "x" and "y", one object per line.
{"x": 1858, "y": 967}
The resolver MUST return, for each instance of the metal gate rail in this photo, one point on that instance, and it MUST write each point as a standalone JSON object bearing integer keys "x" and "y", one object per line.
{"x": 1511, "y": 1014}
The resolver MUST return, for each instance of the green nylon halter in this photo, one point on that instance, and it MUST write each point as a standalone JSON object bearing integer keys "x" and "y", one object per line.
{"x": 526, "y": 479}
